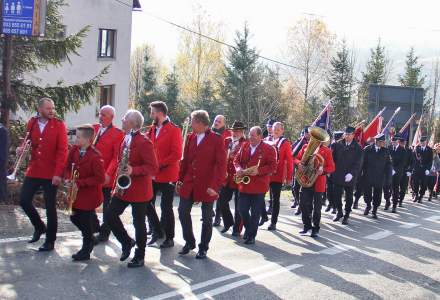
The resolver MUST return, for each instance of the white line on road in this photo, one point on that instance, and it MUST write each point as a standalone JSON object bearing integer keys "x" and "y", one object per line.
{"x": 230, "y": 286}
{"x": 409, "y": 225}
{"x": 433, "y": 218}
{"x": 26, "y": 238}
{"x": 338, "y": 248}
{"x": 379, "y": 235}
{"x": 191, "y": 288}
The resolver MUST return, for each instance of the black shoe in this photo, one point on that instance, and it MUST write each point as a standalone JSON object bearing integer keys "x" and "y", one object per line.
{"x": 367, "y": 211}
{"x": 393, "y": 210}
{"x": 136, "y": 262}
{"x": 103, "y": 237}
{"x": 81, "y": 255}
{"x": 345, "y": 220}
{"x": 328, "y": 208}
{"x": 304, "y": 231}
{"x": 298, "y": 212}
{"x": 373, "y": 214}
{"x": 217, "y": 222}
{"x": 168, "y": 243}
{"x": 126, "y": 250}
{"x": 387, "y": 205}
{"x": 262, "y": 221}
{"x": 272, "y": 227}
{"x": 338, "y": 217}
{"x": 429, "y": 198}
{"x": 315, "y": 233}
{"x": 185, "y": 250}
{"x": 269, "y": 211}
{"x": 156, "y": 236}
{"x": 235, "y": 233}
{"x": 400, "y": 204}
{"x": 245, "y": 236}
{"x": 47, "y": 246}
{"x": 95, "y": 240}
{"x": 334, "y": 211}
{"x": 355, "y": 205}
{"x": 420, "y": 199}
{"x": 294, "y": 205}
{"x": 201, "y": 254}
{"x": 225, "y": 229}
{"x": 250, "y": 241}
{"x": 415, "y": 198}
{"x": 36, "y": 236}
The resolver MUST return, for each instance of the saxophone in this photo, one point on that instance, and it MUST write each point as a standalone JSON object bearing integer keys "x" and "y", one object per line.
{"x": 311, "y": 162}
{"x": 123, "y": 181}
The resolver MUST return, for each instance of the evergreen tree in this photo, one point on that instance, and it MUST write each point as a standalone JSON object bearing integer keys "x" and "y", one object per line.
{"x": 171, "y": 90}
{"x": 30, "y": 54}
{"x": 339, "y": 86}
{"x": 150, "y": 90}
{"x": 208, "y": 101}
{"x": 413, "y": 76}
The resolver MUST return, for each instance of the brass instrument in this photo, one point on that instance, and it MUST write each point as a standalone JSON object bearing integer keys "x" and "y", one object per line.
{"x": 246, "y": 179}
{"x": 26, "y": 148}
{"x": 185, "y": 128}
{"x": 311, "y": 162}
{"x": 123, "y": 181}
{"x": 73, "y": 189}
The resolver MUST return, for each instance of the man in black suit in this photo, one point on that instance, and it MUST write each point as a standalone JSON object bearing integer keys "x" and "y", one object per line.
{"x": 422, "y": 162}
{"x": 407, "y": 166}
{"x": 4, "y": 148}
{"x": 347, "y": 155}
{"x": 398, "y": 158}
{"x": 337, "y": 136}
{"x": 375, "y": 167}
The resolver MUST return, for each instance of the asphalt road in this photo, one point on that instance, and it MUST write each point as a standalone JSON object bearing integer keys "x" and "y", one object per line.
{"x": 394, "y": 257}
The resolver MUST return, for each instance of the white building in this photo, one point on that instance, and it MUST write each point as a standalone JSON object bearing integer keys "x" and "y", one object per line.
{"x": 107, "y": 44}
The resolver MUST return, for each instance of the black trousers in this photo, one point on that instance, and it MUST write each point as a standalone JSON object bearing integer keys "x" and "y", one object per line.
{"x": 275, "y": 194}
{"x": 359, "y": 189}
{"x": 296, "y": 187}
{"x": 138, "y": 211}
{"x": 185, "y": 206}
{"x": 373, "y": 194}
{"x": 84, "y": 219}
{"x": 387, "y": 192}
{"x": 420, "y": 182}
{"x": 311, "y": 204}
{"x": 166, "y": 207}
{"x": 250, "y": 210}
{"x": 331, "y": 194}
{"x": 3, "y": 185}
{"x": 403, "y": 186}
{"x": 104, "y": 228}
{"x": 228, "y": 220}
{"x": 395, "y": 187}
{"x": 28, "y": 190}
{"x": 338, "y": 190}
{"x": 431, "y": 183}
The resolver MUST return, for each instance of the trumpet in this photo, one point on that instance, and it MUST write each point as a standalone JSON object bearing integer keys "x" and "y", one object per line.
{"x": 246, "y": 179}
{"x": 73, "y": 189}
{"x": 26, "y": 147}
{"x": 185, "y": 128}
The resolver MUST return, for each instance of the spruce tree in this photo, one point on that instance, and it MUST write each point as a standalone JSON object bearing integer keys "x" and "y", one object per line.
{"x": 413, "y": 76}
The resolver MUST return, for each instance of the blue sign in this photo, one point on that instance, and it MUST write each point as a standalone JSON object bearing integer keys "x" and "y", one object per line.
{"x": 18, "y": 17}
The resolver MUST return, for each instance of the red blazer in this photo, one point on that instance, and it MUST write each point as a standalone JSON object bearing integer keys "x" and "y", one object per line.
{"x": 202, "y": 167}
{"x": 91, "y": 177}
{"x": 268, "y": 162}
{"x": 144, "y": 163}
{"x": 231, "y": 155}
{"x": 284, "y": 170}
{"x": 329, "y": 166}
{"x": 226, "y": 133}
{"x": 108, "y": 145}
{"x": 49, "y": 149}
{"x": 168, "y": 147}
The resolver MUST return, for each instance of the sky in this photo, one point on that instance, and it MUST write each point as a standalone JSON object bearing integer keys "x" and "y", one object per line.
{"x": 399, "y": 24}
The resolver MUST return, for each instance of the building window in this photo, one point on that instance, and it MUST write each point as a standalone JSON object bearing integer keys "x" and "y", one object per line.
{"x": 106, "y": 95}
{"x": 106, "y": 44}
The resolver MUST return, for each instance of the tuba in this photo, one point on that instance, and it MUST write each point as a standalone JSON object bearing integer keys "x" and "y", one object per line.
{"x": 311, "y": 162}
{"x": 123, "y": 181}
{"x": 26, "y": 149}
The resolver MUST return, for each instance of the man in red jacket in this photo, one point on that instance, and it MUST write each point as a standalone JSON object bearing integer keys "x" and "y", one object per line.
{"x": 233, "y": 145}
{"x": 202, "y": 174}
{"x": 167, "y": 140}
{"x": 262, "y": 157}
{"x": 219, "y": 126}
{"x": 311, "y": 197}
{"x": 87, "y": 162}
{"x": 48, "y": 138}
{"x": 142, "y": 165}
{"x": 284, "y": 172}
{"x": 108, "y": 139}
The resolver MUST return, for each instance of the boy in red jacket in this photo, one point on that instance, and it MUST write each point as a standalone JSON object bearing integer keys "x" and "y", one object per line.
{"x": 87, "y": 162}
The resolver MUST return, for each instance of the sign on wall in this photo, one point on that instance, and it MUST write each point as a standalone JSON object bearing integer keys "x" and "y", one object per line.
{"x": 24, "y": 17}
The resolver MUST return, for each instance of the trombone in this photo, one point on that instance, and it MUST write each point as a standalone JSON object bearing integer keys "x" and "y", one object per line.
{"x": 26, "y": 147}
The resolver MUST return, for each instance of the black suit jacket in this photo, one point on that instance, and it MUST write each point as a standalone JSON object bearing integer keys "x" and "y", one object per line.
{"x": 422, "y": 160}
{"x": 398, "y": 158}
{"x": 376, "y": 166}
{"x": 348, "y": 159}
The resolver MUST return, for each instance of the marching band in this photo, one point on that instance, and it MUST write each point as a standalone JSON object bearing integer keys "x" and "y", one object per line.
{"x": 126, "y": 167}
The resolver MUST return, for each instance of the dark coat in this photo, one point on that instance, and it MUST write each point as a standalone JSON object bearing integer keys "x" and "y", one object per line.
{"x": 376, "y": 166}
{"x": 348, "y": 159}
{"x": 399, "y": 160}
{"x": 422, "y": 160}
{"x": 4, "y": 149}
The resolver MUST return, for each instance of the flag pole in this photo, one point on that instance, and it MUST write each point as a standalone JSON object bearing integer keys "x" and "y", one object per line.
{"x": 391, "y": 119}
{"x": 378, "y": 115}
{"x": 407, "y": 123}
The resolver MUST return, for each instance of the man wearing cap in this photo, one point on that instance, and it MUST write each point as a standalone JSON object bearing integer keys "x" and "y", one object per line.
{"x": 398, "y": 160}
{"x": 404, "y": 180}
{"x": 233, "y": 145}
{"x": 296, "y": 148}
{"x": 376, "y": 163}
{"x": 422, "y": 163}
{"x": 347, "y": 155}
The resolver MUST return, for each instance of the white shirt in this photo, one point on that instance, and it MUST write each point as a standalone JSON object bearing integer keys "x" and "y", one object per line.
{"x": 42, "y": 125}
{"x": 253, "y": 148}
{"x": 159, "y": 127}
{"x": 377, "y": 149}
{"x": 200, "y": 137}
{"x": 127, "y": 139}
{"x": 423, "y": 148}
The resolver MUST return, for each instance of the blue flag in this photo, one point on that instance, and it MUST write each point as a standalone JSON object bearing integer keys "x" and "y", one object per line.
{"x": 404, "y": 132}
{"x": 323, "y": 120}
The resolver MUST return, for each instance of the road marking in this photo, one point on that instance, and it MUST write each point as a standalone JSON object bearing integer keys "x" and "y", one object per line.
{"x": 379, "y": 235}
{"x": 433, "y": 218}
{"x": 338, "y": 248}
{"x": 409, "y": 225}
{"x": 191, "y": 288}
{"x": 230, "y": 286}
{"x": 26, "y": 238}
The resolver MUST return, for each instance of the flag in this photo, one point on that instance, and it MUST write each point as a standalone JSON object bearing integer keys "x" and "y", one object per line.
{"x": 374, "y": 128}
{"x": 431, "y": 140}
{"x": 418, "y": 134}
{"x": 323, "y": 119}
{"x": 358, "y": 132}
{"x": 406, "y": 129}
{"x": 390, "y": 128}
